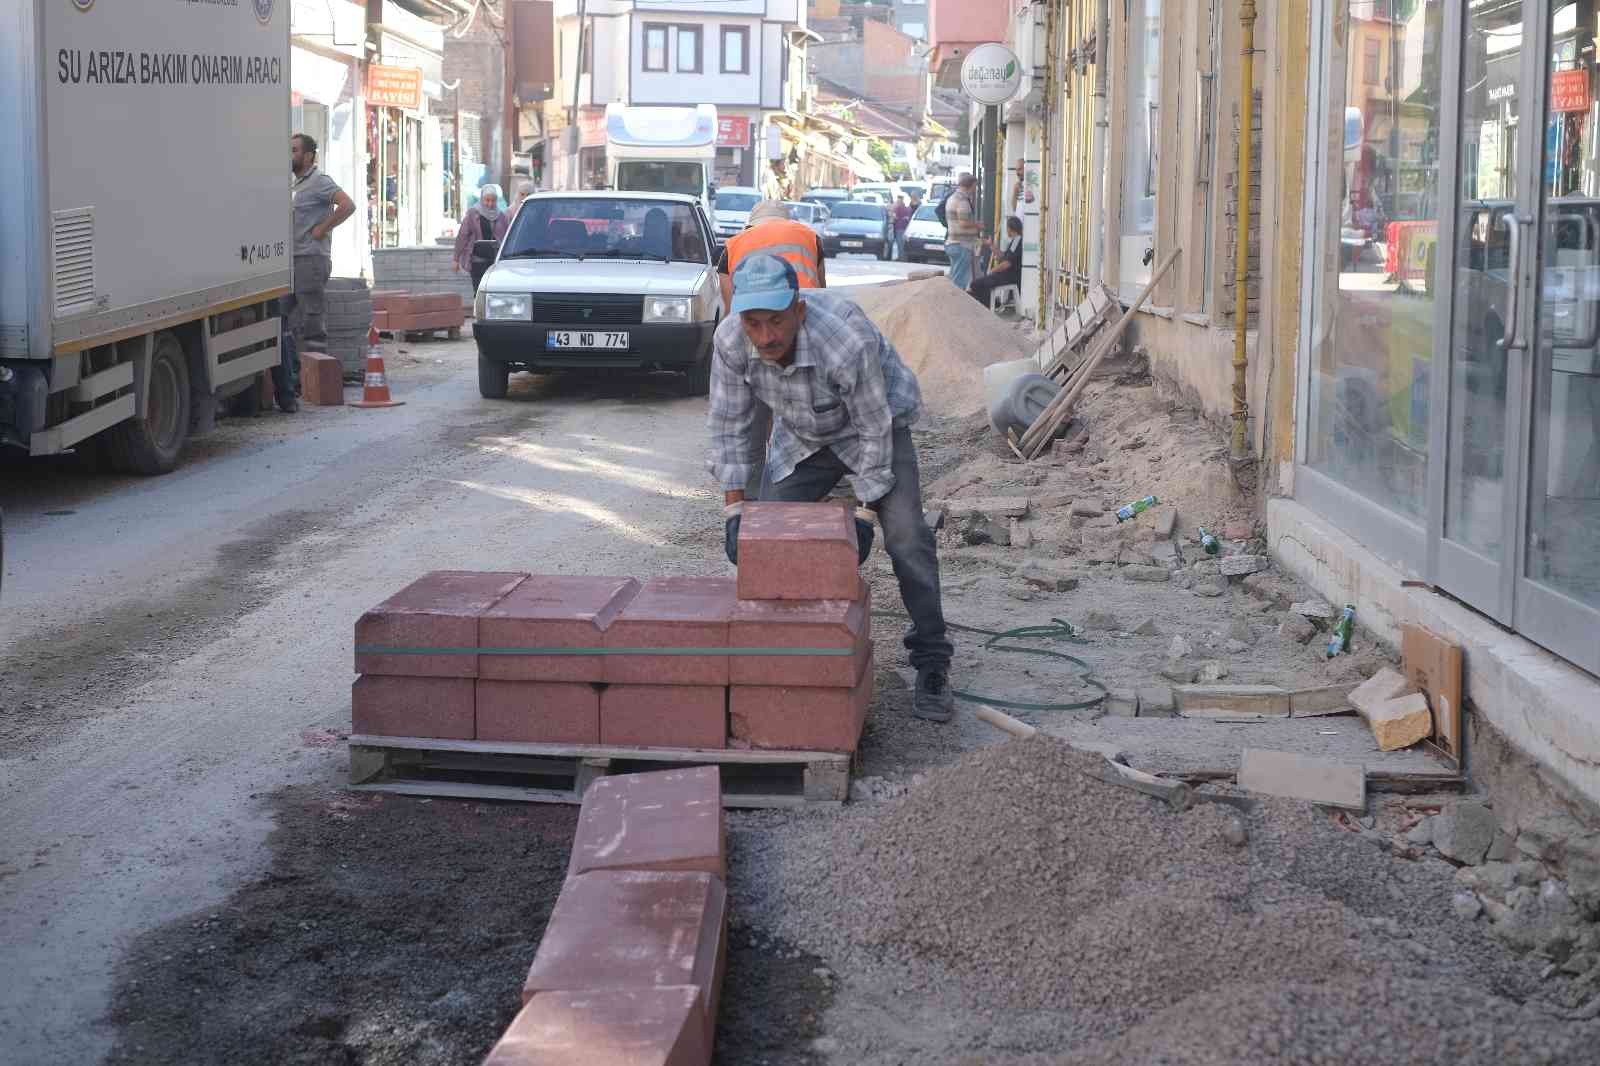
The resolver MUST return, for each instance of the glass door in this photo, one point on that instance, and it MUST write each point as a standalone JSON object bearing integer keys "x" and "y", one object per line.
{"x": 1557, "y": 595}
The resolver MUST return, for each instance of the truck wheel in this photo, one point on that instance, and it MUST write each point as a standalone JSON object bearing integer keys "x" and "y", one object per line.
{"x": 494, "y": 378}
{"x": 153, "y": 444}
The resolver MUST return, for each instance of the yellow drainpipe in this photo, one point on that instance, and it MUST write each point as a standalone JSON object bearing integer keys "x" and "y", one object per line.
{"x": 1240, "y": 445}
{"x": 1046, "y": 172}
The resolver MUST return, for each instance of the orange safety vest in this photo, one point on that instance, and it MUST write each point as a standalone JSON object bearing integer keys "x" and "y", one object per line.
{"x": 794, "y": 241}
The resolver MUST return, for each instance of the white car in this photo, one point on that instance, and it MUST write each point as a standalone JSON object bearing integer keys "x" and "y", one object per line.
{"x": 925, "y": 237}
{"x": 600, "y": 280}
{"x": 730, "y": 210}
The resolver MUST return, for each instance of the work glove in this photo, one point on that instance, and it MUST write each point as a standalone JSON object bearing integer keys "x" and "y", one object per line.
{"x": 730, "y": 530}
{"x": 866, "y": 529}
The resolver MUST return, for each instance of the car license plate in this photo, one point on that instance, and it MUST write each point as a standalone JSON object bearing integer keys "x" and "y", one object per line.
{"x": 852, "y": 244}
{"x": 562, "y": 338}
{"x": 935, "y": 246}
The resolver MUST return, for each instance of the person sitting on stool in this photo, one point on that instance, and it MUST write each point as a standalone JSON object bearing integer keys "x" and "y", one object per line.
{"x": 1007, "y": 269}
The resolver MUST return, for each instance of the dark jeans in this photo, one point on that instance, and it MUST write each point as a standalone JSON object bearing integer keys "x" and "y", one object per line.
{"x": 480, "y": 267}
{"x": 304, "y": 328}
{"x": 906, "y": 536}
{"x": 984, "y": 286}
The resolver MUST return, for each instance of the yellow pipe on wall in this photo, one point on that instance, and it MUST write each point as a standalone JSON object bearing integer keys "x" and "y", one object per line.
{"x": 1239, "y": 444}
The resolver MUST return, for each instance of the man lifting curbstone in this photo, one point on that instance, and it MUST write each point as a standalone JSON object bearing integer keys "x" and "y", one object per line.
{"x": 843, "y": 404}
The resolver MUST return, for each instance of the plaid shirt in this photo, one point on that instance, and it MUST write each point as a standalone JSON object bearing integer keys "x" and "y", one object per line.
{"x": 845, "y": 389}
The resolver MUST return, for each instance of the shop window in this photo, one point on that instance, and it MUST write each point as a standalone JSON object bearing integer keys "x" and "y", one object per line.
{"x": 1141, "y": 152}
{"x": 1379, "y": 206}
{"x": 735, "y": 50}
{"x": 1371, "y": 60}
{"x": 688, "y": 49}
{"x": 655, "y": 47}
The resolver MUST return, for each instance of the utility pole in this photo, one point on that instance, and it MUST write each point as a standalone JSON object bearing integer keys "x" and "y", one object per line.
{"x": 509, "y": 136}
{"x": 575, "y": 137}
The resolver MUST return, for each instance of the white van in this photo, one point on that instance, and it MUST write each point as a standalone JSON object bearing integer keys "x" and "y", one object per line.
{"x": 730, "y": 208}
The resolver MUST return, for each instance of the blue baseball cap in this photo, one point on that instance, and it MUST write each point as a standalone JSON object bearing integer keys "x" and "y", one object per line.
{"x": 764, "y": 283}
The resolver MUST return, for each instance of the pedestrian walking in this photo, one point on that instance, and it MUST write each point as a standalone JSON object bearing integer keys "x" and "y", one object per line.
{"x": 319, "y": 206}
{"x": 843, "y": 404}
{"x": 1006, "y": 268}
{"x": 902, "y": 219}
{"x": 961, "y": 230}
{"x": 483, "y": 221}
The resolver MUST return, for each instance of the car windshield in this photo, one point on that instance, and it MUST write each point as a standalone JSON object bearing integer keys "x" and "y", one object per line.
{"x": 926, "y": 213}
{"x": 803, "y": 212}
{"x": 857, "y": 209}
{"x": 605, "y": 227}
{"x": 644, "y": 176}
{"x": 736, "y": 201}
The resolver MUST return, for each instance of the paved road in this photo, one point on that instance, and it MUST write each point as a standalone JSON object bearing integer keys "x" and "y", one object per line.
{"x": 172, "y": 649}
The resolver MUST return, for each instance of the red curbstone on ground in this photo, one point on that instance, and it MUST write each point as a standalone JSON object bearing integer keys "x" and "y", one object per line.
{"x": 608, "y": 1027}
{"x": 797, "y": 551}
{"x": 662, "y": 820}
{"x": 321, "y": 379}
{"x": 664, "y": 716}
{"x": 553, "y": 612}
{"x": 635, "y": 929}
{"x": 441, "y": 707}
{"x": 538, "y": 712}
{"x": 438, "y": 610}
{"x": 801, "y": 624}
{"x": 806, "y": 719}
{"x": 672, "y": 612}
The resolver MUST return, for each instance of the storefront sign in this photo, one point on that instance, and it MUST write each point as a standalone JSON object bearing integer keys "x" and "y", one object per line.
{"x": 733, "y": 131}
{"x": 1569, "y": 90}
{"x": 592, "y": 126}
{"x": 991, "y": 74}
{"x": 394, "y": 87}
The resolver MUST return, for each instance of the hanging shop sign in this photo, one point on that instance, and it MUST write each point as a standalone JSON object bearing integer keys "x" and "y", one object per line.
{"x": 991, "y": 74}
{"x": 394, "y": 87}
{"x": 1569, "y": 90}
{"x": 733, "y": 131}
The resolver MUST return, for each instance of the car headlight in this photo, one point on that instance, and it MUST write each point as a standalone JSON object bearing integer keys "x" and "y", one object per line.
{"x": 507, "y": 305}
{"x": 666, "y": 309}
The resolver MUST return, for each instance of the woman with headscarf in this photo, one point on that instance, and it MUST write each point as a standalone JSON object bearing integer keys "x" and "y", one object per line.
{"x": 484, "y": 221}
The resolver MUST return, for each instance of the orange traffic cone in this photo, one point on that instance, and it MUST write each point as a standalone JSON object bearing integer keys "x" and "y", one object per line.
{"x": 375, "y": 386}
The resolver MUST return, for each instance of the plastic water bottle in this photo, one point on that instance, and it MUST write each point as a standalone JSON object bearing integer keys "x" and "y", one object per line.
{"x": 1339, "y": 642}
{"x": 1125, "y": 513}
{"x": 1211, "y": 544}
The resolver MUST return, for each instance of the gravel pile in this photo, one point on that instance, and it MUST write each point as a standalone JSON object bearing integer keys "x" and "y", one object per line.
{"x": 1056, "y": 912}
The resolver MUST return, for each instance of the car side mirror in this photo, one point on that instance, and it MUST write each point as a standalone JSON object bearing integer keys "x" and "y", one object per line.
{"x": 485, "y": 251}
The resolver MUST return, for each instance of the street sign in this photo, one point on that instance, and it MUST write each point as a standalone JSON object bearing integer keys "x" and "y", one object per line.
{"x": 991, "y": 74}
{"x": 394, "y": 87}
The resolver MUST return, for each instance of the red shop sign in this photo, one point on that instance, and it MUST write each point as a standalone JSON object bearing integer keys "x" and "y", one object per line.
{"x": 1569, "y": 90}
{"x": 733, "y": 131}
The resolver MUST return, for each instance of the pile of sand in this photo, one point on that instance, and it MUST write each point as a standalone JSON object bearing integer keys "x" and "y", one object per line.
{"x": 945, "y": 337}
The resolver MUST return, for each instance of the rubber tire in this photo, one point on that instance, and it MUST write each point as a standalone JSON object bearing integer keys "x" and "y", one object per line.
{"x": 154, "y": 444}
{"x": 697, "y": 379}
{"x": 494, "y": 378}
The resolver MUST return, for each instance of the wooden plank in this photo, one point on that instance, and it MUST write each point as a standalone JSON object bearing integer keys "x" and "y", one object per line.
{"x": 468, "y": 791}
{"x": 1327, "y": 699}
{"x": 366, "y": 763}
{"x": 1295, "y": 776}
{"x": 724, "y": 755}
{"x": 1433, "y": 664}
{"x": 589, "y": 771}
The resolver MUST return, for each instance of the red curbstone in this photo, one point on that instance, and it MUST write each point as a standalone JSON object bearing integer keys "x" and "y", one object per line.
{"x": 801, "y": 624}
{"x": 553, "y": 612}
{"x": 635, "y": 929}
{"x": 806, "y": 719}
{"x": 321, "y": 379}
{"x": 441, "y": 707}
{"x": 538, "y": 712}
{"x": 662, "y": 820}
{"x": 385, "y": 299}
{"x": 797, "y": 551}
{"x": 664, "y": 716}
{"x": 608, "y": 1027}
{"x": 438, "y": 610}
{"x": 672, "y": 612}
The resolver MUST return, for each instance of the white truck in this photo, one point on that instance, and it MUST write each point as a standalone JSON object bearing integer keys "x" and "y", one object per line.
{"x": 145, "y": 219}
{"x": 662, "y": 149}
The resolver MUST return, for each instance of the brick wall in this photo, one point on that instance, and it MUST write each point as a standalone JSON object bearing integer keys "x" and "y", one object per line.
{"x": 1230, "y": 227}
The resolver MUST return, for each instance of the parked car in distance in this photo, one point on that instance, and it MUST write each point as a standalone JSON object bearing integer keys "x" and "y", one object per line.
{"x": 916, "y": 191}
{"x": 600, "y": 280}
{"x": 829, "y": 197}
{"x": 925, "y": 237}
{"x": 939, "y": 188}
{"x": 814, "y": 215}
{"x": 858, "y": 227}
{"x": 730, "y": 210}
{"x": 868, "y": 197}
{"x": 884, "y": 191}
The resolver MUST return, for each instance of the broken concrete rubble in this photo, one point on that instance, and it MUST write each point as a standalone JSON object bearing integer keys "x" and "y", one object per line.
{"x": 1240, "y": 565}
{"x": 1463, "y": 831}
{"x": 1400, "y": 722}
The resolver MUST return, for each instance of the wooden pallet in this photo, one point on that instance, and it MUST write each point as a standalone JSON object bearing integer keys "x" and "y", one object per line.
{"x": 559, "y": 773}
{"x": 1067, "y": 344}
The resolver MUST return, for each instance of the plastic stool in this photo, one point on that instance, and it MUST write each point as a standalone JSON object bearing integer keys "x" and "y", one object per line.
{"x": 1005, "y": 296}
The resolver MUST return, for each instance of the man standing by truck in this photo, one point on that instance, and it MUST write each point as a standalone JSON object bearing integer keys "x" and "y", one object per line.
{"x": 319, "y": 206}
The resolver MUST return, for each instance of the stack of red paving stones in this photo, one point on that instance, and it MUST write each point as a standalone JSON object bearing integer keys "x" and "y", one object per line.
{"x": 398, "y": 311}
{"x": 629, "y": 971}
{"x": 610, "y": 661}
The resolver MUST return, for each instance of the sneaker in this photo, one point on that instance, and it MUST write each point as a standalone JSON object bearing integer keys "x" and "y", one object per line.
{"x": 932, "y": 698}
